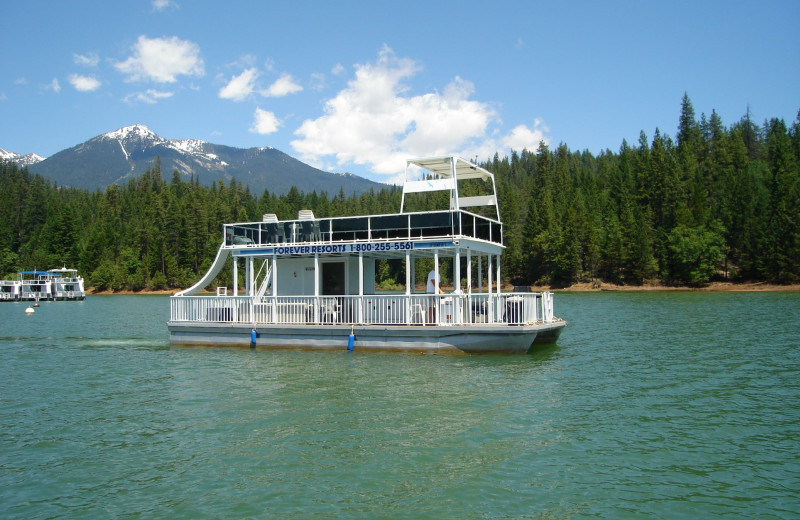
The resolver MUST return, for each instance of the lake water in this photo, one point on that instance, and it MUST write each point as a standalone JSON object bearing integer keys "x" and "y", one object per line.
{"x": 653, "y": 405}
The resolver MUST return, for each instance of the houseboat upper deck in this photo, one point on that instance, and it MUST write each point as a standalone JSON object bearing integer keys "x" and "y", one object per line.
{"x": 311, "y": 282}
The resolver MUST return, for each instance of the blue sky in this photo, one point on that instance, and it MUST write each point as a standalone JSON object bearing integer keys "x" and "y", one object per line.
{"x": 360, "y": 86}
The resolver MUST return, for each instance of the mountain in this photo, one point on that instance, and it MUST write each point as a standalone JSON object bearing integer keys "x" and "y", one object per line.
{"x": 116, "y": 157}
{"x": 21, "y": 160}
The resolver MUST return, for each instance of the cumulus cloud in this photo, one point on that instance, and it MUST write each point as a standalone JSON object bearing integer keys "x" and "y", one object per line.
{"x": 284, "y": 86}
{"x": 264, "y": 122}
{"x": 374, "y": 122}
{"x": 162, "y": 60}
{"x": 239, "y": 87}
{"x": 83, "y": 83}
{"x": 150, "y": 96}
{"x": 522, "y": 137}
{"x": 86, "y": 60}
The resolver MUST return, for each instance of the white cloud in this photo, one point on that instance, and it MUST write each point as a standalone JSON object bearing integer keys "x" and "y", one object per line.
{"x": 239, "y": 87}
{"x": 522, "y": 137}
{"x": 150, "y": 96}
{"x": 337, "y": 69}
{"x": 284, "y": 86}
{"x": 84, "y": 83}
{"x": 161, "y": 5}
{"x": 264, "y": 122}
{"x": 372, "y": 122}
{"x": 87, "y": 60}
{"x": 54, "y": 85}
{"x": 318, "y": 81}
{"x": 162, "y": 60}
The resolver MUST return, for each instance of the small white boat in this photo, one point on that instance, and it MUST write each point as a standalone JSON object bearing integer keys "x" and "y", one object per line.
{"x": 309, "y": 282}
{"x": 66, "y": 284}
{"x": 10, "y": 290}
{"x": 35, "y": 285}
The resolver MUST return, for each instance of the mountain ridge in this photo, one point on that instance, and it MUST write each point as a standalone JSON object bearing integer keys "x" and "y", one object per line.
{"x": 117, "y": 156}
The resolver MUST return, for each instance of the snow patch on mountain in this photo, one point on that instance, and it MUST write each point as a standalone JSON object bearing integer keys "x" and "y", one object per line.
{"x": 20, "y": 160}
{"x": 133, "y": 131}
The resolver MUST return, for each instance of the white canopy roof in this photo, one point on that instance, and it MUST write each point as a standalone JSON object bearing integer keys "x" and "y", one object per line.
{"x": 447, "y": 171}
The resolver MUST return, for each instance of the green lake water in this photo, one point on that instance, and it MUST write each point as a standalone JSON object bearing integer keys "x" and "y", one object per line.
{"x": 652, "y": 405}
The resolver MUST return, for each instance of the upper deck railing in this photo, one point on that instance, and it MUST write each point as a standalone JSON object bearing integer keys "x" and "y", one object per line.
{"x": 399, "y": 226}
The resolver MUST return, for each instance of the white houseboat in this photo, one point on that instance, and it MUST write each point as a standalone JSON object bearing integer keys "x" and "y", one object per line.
{"x": 66, "y": 284}
{"x": 310, "y": 282}
{"x": 10, "y": 290}
{"x": 54, "y": 284}
{"x": 35, "y": 285}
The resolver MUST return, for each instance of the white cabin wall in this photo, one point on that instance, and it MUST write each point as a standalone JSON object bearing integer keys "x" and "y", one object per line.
{"x": 296, "y": 276}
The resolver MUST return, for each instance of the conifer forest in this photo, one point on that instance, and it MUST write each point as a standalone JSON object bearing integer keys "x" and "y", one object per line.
{"x": 715, "y": 202}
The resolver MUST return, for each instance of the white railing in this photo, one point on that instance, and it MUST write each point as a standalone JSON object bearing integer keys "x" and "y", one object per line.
{"x": 374, "y": 309}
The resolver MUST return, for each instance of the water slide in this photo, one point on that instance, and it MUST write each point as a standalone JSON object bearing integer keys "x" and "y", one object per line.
{"x": 213, "y": 271}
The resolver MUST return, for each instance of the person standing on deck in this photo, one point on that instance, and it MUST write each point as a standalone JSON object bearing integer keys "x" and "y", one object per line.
{"x": 433, "y": 281}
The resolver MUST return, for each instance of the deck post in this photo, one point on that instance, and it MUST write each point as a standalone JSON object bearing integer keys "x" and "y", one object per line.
{"x": 274, "y": 287}
{"x": 250, "y": 274}
{"x": 316, "y": 287}
{"x": 437, "y": 299}
{"x": 480, "y": 273}
{"x": 408, "y": 288}
{"x": 469, "y": 271}
{"x": 490, "y": 289}
{"x": 361, "y": 287}
{"x": 235, "y": 277}
{"x": 457, "y": 287}
{"x": 499, "y": 301}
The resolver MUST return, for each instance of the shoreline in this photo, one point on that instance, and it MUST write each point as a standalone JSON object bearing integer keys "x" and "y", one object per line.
{"x": 578, "y": 287}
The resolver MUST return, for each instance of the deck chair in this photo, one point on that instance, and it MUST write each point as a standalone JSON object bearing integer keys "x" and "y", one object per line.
{"x": 329, "y": 310}
{"x": 310, "y": 228}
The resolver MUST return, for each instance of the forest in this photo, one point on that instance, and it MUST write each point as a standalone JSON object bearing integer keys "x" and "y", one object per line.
{"x": 715, "y": 203}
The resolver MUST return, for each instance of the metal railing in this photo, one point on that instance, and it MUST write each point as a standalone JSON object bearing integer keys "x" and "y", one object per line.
{"x": 401, "y": 226}
{"x": 381, "y": 309}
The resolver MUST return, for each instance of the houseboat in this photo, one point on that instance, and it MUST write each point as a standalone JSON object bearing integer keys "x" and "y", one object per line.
{"x": 10, "y": 290}
{"x": 311, "y": 282}
{"x": 66, "y": 284}
{"x": 54, "y": 284}
{"x": 35, "y": 285}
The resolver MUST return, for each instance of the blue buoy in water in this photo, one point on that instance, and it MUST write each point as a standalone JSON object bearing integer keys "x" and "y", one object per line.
{"x": 253, "y": 336}
{"x": 351, "y": 339}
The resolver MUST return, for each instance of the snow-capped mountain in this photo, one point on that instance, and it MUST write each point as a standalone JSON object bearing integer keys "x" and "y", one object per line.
{"x": 118, "y": 156}
{"x": 21, "y": 160}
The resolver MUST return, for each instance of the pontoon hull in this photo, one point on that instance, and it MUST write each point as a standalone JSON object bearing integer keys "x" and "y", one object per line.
{"x": 516, "y": 339}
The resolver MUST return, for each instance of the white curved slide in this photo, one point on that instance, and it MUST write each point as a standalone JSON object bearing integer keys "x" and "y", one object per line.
{"x": 213, "y": 271}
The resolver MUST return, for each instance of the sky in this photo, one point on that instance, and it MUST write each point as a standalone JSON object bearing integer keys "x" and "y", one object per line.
{"x": 361, "y": 86}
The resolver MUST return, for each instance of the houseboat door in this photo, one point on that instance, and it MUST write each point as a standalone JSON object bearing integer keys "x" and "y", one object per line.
{"x": 333, "y": 278}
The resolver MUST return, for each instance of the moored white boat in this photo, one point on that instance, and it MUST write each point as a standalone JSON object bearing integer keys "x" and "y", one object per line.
{"x": 310, "y": 282}
{"x": 10, "y": 290}
{"x": 35, "y": 285}
{"x": 66, "y": 284}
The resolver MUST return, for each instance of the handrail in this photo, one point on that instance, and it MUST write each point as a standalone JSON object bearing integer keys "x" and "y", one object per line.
{"x": 475, "y": 309}
{"x": 406, "y": 226}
